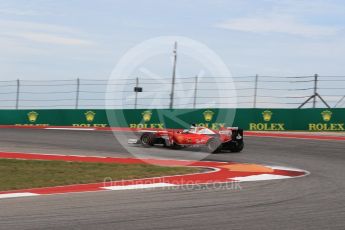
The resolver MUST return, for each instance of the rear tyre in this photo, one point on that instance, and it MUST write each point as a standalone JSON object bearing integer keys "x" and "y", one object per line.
{"x": 147, "y": 139}
{"x": 237, "y": 147}
{"x": 213, "y": 145}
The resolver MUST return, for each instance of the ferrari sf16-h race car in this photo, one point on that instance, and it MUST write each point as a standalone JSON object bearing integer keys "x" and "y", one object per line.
{"x": 230, "y": 138}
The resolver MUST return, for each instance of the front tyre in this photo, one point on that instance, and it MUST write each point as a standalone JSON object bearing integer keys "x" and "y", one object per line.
{"x": 176, "y": 146}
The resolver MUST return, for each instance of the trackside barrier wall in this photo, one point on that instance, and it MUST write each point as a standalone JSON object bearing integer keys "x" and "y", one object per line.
{"x": 249, "y": 119}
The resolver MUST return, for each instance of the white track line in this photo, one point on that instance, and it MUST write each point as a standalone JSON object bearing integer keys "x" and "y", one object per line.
{"x": 285, "y": 168}
{"x": 79, "y": 129}
{"x": 138, "y": 186}
{"x": 21, "y": 194}
{"x": 260, "y": 177}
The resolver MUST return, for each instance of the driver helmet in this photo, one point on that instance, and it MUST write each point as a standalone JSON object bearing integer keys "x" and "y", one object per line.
{"x": 193, "y": 128}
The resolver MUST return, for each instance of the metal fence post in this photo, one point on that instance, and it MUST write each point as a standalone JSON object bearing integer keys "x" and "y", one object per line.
{"x": 315, "y": 89}
{"x": 136, "y": 93}
{"x": 316, "y": 94}
{"x": 255, "y": 90}
{"x": 17, "y": 97}
{"x": 173, "y": 78}
{"x": 77, "y": 95}
{"x": 195, "y": 91}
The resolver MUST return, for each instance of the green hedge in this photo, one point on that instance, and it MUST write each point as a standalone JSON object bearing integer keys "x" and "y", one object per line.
{"x": 249, "y": 119}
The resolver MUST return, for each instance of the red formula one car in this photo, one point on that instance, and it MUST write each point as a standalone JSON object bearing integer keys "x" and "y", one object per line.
{"x": 230, "y": 138}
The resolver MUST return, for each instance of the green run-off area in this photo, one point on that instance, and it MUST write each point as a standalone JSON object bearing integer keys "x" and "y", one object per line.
{"x": 21, "y": 174}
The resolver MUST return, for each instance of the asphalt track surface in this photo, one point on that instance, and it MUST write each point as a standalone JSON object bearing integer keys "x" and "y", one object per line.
{"x": 316, "y": 201}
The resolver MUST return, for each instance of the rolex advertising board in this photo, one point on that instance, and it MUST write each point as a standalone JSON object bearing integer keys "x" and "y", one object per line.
{"x": 266, "y": 119}
{"x": 91, "y": 118}
{"x": 180, "y": 118}
{"x": 249, "y": 119}
{"x": 144, "y": 119}
{"x": 326, "y": 124}
{"x": 321, "y": 120}
{"x": 58, "y": 117}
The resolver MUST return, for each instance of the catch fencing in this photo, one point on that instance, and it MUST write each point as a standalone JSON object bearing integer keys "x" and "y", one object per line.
{"x": 189, "y": 92}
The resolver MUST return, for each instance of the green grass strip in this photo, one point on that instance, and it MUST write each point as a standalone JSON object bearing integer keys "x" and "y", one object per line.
{"x": 22, "y": 174}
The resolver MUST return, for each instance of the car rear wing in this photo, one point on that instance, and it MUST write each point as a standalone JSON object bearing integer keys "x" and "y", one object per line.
{"x": 235, "y": 132}
{"x": 227, "y": 130}
{"x": 237, "y": 135}
{"x": 232, "y": 128}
